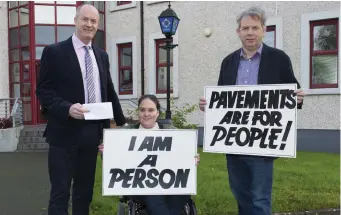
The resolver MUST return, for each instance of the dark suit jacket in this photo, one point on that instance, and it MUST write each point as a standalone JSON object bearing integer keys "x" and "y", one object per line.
{"x": 275, "y": 68}
{"x": 60, "y": 85}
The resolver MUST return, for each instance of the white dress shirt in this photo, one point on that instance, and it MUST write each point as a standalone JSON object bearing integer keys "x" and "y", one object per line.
{"x": 78, "y": 45}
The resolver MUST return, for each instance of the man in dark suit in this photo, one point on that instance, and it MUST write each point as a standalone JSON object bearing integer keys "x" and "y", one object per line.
{"x": 251, "y": 177}
{"x": 74, "y": 72}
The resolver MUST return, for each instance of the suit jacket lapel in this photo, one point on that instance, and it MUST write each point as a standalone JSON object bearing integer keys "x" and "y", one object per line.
{"x": 235, "y": 65}
{"x": 101, "y": 72}
{"x": 263, "y": 65}
{"x": 75, "y": 67}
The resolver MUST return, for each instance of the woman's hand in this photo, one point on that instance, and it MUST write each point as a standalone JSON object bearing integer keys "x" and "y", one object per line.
{"x": 101, "y": 147}
{"x": 197, "y": 159}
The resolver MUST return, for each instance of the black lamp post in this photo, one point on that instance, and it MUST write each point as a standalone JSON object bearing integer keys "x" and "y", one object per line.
{"x": 169, "y": 24}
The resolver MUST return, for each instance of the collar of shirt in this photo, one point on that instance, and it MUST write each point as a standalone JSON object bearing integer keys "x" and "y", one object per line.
{"x": 78, "y": 43}
{"x": 156, "y": 126}
{"x": 259, "y": 51}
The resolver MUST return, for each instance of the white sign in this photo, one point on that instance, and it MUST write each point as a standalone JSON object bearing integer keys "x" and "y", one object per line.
{"x": 251, "y": 120}
{"x": 149, "y": 162}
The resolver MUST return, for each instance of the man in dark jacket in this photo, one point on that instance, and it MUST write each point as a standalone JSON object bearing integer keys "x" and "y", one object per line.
{"x": 74, "y": 72}
{"x": 255, "y": 63}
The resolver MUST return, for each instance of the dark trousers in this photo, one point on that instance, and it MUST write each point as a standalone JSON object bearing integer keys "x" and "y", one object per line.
{"x": 250, "y": 180}
{"x": 76, "y": 163}
{"x": 165, "y": 205}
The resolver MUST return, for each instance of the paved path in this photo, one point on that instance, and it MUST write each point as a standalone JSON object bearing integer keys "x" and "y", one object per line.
{"x": 24, "y": 183}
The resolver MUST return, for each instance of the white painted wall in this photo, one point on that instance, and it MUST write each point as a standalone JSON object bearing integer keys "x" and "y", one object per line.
{"x": 4, "y": 74}
{"x": 200, "y": 56}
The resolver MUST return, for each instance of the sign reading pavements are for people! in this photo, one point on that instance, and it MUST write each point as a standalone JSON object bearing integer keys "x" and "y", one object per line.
{"x": 149, "y": 162}
{"x": 251, "y": 120}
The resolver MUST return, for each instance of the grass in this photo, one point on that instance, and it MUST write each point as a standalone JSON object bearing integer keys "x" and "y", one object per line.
{"x": 310, "y": 181}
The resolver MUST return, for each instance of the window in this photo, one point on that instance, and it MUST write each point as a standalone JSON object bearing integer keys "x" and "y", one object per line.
{"x": 125, "y": 69}
{"x": 324, "y": 54}
{"x": 320, "y": 38}
{"x": 157, "y": 69}
{"x": 161, "y": 67}
{"x": 270, "y": 36}
{"x": 119, "y": 3}
{"x": 123, "y": 57}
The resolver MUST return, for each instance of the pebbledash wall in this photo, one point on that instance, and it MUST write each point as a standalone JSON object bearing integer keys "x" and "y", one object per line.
{"x": 4, "y": 74}
{"x": 197, "y": 59}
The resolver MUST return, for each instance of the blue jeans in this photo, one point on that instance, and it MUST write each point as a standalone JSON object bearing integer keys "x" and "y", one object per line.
{"x": 250, "y": 180}
{"x": 166, "y": 204}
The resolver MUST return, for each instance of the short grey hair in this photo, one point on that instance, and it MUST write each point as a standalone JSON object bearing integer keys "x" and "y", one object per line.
{"x": 252, "y": 11}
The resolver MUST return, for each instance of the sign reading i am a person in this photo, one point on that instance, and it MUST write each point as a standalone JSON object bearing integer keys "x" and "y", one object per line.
{"x": 255, "y": 120}
{"x": 149, "y": 162}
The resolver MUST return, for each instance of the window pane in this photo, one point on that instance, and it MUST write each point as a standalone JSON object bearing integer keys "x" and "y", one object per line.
{"x": 269, "y": 38}
{"x": 45, "y": 35}
{"x": 16, "y": 91}
{"x": 66, "y": 15}
{"x": 324, "y": 69}
{"x": 13, "y": 4}
{"x": 27, "y": 112}
{"x": 163, "y": 55}
{"x": 325, "y": 37}
{"x": 14, "y": 55}
{"x": 101, "y": 21}
{"x": 24, "y": 18}
{"x": 26, "y": 91}
{"x": 25, "y": 53}
{"x": 39, "y": 52}
{"x": 44, "y": 14}
{"x": 126, "y": 81}
{"x": 24, "y": 36}
{"x": 14, "y": 38}
{"x": 15, "y": 72}
{"x": 162, "y": 78}
{"x": 64, "y": 32}
{"x": 66, "y": 2}
{"x": 99, "y": 39}
{"x": 26, "y": 72}
{"x": 126, "y": 56}
{"x": 99, "y": 5}
{"x": 13, "y": 18}
{"x": 23, "y": 2}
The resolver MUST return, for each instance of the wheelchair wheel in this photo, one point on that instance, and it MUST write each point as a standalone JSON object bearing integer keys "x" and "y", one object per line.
{"x": 120, "y": 209}
{"x": 131, "y": 208}
{"x": 192, "y": 208}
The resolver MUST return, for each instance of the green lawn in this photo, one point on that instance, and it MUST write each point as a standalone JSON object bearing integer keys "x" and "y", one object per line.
{"x": 310, "y": 181}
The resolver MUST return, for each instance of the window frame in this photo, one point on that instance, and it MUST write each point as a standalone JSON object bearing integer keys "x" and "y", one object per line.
{"x": 158, "y": 42}
{"x": 271, "y": 28}
{"x": 278, "y": 23}
{"x": 305, "y": 52}
{"x": 120, "y": 67}
{"x": 114, "y": 6}
{"x": 120, "y": 3}
{"x": 113, "y": 55}
{"x": 312, "y": 53}
{"x": 152, "y": 69}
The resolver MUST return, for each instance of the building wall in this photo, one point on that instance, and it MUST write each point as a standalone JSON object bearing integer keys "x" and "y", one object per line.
{"x": 4, "y": 74}
{"x": 199, "y": 57}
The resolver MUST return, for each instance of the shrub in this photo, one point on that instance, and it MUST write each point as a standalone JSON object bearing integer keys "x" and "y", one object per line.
{"x": 6, "y": 122}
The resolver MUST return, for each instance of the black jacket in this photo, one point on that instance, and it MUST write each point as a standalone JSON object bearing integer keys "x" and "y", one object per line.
{"x": 60, "y": 85}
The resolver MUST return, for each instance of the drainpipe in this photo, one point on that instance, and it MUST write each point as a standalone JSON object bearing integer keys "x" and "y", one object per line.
{"x": 142, "y": 47}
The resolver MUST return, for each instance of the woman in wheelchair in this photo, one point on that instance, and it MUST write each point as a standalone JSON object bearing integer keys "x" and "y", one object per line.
{"x": 148, "y": 112}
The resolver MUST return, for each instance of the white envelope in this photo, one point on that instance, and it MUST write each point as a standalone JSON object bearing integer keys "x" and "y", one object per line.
{"x": 98, "y": 111}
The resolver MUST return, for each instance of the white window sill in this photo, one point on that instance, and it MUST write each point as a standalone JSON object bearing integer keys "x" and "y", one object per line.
{"x": 114, "y": 7}
{"x": 326, "y": 91}
{"x": 164, "y": 96}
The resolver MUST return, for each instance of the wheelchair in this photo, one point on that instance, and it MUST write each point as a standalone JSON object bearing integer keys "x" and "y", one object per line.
{"x": 136, "y": 207}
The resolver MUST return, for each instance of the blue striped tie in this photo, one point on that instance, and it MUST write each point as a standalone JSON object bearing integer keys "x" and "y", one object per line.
{"x": 89, "y": 76}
